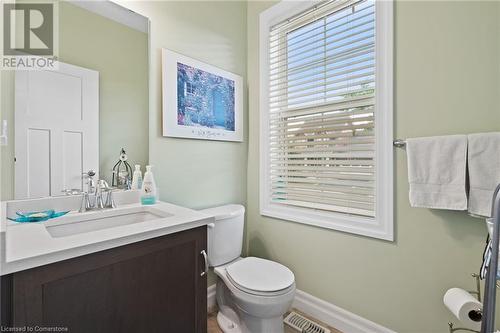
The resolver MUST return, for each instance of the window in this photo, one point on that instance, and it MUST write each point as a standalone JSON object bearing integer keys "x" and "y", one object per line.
{"x": 326, "y": 115}
{"x": 189, "y": 88}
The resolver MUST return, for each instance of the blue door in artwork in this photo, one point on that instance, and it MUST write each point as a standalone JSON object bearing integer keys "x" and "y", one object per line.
{"x": 219, "y": 110}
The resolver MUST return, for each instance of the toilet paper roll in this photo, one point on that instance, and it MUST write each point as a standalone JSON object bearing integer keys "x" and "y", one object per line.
{"x": 465, "y": 307}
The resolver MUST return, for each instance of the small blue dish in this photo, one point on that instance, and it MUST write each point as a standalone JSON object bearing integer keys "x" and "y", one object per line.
{"x": 37, "y": 216}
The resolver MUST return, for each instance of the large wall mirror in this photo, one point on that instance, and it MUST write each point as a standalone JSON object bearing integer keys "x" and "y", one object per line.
{"x": 67, "y": 121}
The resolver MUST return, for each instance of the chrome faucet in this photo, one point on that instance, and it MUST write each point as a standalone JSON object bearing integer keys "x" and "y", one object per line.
{"x": 97, "y": 196}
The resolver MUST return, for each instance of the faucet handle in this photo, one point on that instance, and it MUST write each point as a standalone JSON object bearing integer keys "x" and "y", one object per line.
{"x": 90, "y": 173}
{"x": 89, "y": 176}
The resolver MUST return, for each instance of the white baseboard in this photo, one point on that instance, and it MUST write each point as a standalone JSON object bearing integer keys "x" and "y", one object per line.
{"x": 328, "y": 313}
{"x": 335, "y": 316}
{"x": 211, "y": 301}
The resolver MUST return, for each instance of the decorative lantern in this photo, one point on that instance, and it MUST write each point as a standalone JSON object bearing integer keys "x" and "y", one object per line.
{"x": 122, "y": 172}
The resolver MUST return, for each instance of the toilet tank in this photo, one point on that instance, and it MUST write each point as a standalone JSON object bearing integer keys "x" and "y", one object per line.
{"x": 225, "y": 235}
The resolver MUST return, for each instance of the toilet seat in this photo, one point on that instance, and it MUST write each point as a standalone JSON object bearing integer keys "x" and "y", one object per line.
{"x": 260, "y": 276}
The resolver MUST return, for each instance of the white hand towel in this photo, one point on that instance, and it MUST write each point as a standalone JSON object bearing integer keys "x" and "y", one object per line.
{"x": 484, "y": 171}
{"x": 437, "y": 172}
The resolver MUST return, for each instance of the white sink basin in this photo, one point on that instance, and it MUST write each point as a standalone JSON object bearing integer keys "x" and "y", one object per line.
{"x": 98, "y": 220}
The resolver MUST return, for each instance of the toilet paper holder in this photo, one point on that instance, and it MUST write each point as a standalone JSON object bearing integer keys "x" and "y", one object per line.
{"x": 477, "y": 314}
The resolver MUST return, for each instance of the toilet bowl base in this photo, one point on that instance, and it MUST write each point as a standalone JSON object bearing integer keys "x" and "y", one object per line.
{"x": 228, "y": 321}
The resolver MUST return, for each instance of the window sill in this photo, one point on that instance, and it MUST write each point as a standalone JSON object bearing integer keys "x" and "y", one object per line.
{"x": 358, "y": 225}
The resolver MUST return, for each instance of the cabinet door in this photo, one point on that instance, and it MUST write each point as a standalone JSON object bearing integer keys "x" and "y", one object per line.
{"x": 150, "y": 286}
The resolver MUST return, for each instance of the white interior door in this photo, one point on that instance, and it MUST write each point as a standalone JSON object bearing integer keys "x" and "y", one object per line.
{"x": 56, "y": 129}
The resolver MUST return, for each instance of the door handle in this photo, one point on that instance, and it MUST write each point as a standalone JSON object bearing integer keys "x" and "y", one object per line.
{"x": 205, "y": 259}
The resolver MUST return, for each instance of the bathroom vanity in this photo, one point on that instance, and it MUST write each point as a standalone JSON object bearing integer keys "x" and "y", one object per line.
{"x": 127, "y": 269}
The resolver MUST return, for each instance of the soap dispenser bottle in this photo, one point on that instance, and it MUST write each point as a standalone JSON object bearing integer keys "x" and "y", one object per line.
{"x": 137, "y": 178}
{"x": 148, "y": 191}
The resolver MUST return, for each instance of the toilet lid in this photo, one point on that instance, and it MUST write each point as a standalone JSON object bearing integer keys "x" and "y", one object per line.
{"x": 260, "y": 275}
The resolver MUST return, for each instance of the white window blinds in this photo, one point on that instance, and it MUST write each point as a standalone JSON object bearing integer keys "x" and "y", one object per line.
{"x": 321, "y": 109}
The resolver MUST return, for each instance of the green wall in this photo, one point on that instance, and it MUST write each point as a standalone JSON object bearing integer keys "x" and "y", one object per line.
{"x": 446, "y": 82}
{"x": 120, "y": 55}
{"x": 7, "y": 152}
{"x": 196, "y": 173}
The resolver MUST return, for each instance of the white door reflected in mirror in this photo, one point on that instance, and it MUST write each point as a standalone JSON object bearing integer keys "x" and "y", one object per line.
{"x": 56, "y": 129}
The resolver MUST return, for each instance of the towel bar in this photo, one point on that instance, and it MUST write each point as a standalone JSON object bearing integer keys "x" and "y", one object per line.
{"x": 399, "y": 143}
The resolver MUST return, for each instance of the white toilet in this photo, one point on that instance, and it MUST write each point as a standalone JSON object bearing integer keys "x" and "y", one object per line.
{"x": 252, "y": 293}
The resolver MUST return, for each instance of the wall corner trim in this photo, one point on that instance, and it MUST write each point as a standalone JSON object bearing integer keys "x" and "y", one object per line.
{"x": 335, "y": 316}
{"x": 328, "y": 313}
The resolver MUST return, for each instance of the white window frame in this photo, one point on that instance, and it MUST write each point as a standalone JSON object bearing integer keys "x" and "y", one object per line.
{"x": 382, "y": 226}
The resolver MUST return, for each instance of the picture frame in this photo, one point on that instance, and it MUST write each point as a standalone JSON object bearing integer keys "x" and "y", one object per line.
{"x": 200, "y": 101}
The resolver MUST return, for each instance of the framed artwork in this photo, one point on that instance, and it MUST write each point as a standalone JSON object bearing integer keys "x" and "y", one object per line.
{"x": 200, "y": 101}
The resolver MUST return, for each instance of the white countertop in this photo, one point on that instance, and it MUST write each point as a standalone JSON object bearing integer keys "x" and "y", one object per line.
{"x": 27, "y": 245}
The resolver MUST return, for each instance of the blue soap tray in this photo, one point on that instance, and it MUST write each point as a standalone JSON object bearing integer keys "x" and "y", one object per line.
{"x": 37, "y": 216}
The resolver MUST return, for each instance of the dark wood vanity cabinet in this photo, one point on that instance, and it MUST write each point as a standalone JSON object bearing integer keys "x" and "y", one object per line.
{"x": 155, "y": 285}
